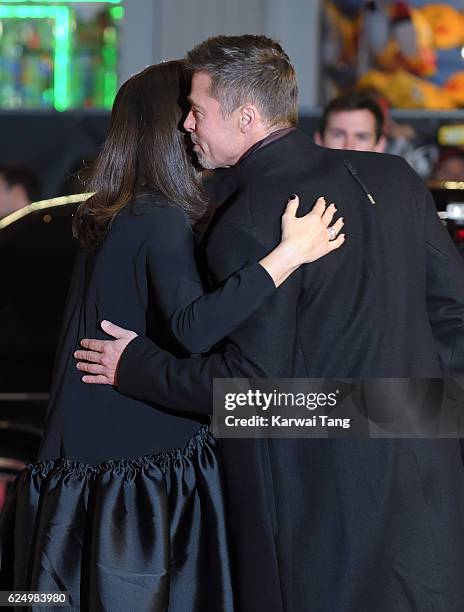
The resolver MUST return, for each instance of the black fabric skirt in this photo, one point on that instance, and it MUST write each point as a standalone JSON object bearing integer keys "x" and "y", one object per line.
{"x": 147, "y": 534}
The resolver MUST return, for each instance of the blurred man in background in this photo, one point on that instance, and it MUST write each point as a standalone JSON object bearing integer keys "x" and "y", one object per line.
{"x": 354, "y": 121}
{"x": 18, "y": 188}
{"x": 450, "y": 166}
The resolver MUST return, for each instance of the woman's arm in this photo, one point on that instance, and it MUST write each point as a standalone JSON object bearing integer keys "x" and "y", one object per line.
{"x": 199, "y": 320}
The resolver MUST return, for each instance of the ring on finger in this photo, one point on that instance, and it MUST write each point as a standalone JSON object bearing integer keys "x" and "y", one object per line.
{"x": 332, "y": 231}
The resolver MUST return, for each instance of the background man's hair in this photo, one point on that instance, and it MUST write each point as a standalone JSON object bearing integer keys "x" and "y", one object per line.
{"x": 351, "y": 101}
{"x": 249, "y": 68}
{"x": 14, "y": 174}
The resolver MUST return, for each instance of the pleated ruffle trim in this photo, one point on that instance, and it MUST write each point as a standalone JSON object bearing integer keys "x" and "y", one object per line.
{"x": 163, "y": 460}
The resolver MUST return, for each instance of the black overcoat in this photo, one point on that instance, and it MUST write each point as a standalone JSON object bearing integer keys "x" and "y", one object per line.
{"x": 334, "y": 525}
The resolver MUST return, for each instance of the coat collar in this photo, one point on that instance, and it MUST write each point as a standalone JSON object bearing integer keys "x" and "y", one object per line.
{"x": 266, "y": 141}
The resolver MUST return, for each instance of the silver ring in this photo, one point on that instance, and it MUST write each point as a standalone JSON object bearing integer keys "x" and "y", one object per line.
{"x": 332, "y": 233}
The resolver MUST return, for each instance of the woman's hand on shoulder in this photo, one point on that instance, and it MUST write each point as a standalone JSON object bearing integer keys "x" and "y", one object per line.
{"x": 304, "y": 239}
{"x": 314, "y": 235}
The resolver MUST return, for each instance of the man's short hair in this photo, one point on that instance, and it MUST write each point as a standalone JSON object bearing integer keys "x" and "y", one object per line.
{"x": 21, "y": 175}
{"x": 352, "y": 101}
{"x": 249, "y": 68}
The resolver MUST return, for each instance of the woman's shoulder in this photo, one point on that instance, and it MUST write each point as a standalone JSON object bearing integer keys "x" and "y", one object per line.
{"x": 154, "y": 207}
{"x": 153, "y": 218}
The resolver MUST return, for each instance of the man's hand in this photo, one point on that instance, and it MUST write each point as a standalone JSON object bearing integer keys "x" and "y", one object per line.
{"x": 102, "y": 357}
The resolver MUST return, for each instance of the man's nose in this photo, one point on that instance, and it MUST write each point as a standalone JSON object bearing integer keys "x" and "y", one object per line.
{"x": 350, "y": 143}
{"x": 189, "y": 123}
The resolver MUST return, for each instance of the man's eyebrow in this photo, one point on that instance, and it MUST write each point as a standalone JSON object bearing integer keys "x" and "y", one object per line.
{"x": 193, "y": 103}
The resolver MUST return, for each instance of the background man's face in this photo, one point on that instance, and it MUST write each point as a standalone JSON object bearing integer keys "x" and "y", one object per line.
{"x": 216, "y": 139}
{"x": 451, "y": 169}
{"x": 10, "y": 200}
{"x": 354, "y": 130}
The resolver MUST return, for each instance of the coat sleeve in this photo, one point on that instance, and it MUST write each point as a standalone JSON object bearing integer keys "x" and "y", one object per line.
{"x": 198, "y": 320}
{"x": 444, "y": 284}
{"x": 150, "y": 374}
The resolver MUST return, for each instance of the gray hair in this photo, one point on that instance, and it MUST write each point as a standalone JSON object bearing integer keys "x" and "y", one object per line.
{"x": 249, "y": 68}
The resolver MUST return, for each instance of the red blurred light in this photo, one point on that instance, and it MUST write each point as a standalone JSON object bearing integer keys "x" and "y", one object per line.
{"x": 459, "y": 234}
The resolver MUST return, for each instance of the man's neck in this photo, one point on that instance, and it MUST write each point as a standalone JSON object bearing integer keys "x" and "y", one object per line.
{"x": 266, "y": 138}
{"x": 263, "y": 134}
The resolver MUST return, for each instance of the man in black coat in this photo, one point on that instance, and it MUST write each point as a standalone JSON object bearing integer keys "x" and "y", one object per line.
{"x": 323, "y": 525}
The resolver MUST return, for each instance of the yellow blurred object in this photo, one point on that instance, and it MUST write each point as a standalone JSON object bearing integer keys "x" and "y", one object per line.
{"x": 451, "y": 135}
{"x": 424, "y": 62}
{"x": 454, "y": 87}
{"x": 375, "y": 79}
{"x": 346, "y": 29}
{"x": 405, "y": 90}
{"x": 388, "y": 58}
{"x": 447, "y": 25}
{"x": 399, "y": 46}
{"x": 76, "y": 198}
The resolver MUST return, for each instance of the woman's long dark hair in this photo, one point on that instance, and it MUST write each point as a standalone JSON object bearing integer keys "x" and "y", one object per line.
{"x": 145, "y": 151}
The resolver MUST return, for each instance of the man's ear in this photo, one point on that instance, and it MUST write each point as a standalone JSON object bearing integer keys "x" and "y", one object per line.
{"x": 317, "y": 138}
{"x": 381, "y": 145}
{"x": 249, "y": 117}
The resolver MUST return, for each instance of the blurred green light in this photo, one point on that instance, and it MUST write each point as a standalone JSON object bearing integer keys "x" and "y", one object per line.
{"x": 61, "y": 15}
{"x": 111, "y": 87}
{"x": 117, "y": 12}
{"x": 47, "y": 95}
{"x": 67, "y": 1}
{"x": 110, "y": 60}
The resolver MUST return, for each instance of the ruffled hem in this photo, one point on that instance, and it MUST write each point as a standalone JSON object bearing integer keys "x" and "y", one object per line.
{"x": 163, "y": 460}
{"x": 147, "y": 534}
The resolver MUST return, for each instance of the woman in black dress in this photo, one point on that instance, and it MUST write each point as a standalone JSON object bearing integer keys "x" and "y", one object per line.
{"x": 124, "y": 506}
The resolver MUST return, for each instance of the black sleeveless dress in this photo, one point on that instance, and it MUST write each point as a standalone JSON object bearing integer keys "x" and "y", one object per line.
{"x": 124, "y": 507}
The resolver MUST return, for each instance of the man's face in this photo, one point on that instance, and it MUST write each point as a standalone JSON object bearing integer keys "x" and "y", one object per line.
{"x": 451, "y": 169}
{"x": 217, "y": 139}
{"x": 354, "y": 130}
{"x": 12, "y": 197}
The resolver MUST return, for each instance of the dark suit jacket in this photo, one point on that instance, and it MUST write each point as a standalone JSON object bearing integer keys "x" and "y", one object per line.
{"x": 389, "y": 303}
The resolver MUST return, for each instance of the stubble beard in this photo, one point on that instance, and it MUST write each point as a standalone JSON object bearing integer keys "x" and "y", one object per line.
{"x": 204, "y": 162}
